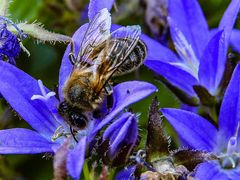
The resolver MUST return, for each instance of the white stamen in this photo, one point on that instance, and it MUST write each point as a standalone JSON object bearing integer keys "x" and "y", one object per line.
{"x": 45, "y": 96}
{"x": 43, "y": 91}
{"x": 232, "y": 143}
{"x": 229, "y": 162}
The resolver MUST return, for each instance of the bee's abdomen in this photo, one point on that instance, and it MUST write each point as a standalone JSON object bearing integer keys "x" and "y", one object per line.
{"x": 134, "y": 59}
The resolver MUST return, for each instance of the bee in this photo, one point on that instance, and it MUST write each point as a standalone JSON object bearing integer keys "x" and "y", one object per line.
{"x": 102, "y": 55}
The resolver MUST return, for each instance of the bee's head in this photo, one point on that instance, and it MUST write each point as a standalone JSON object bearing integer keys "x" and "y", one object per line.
{"x": 73, "y": 116}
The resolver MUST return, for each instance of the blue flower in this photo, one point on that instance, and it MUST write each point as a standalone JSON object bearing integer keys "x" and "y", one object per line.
{"x": 9, "y": 44}
{"x": 119, "y": 139}
{"x": 235, "y": 39}
{"x": 201, "y": 55}
{"x": 38, "y": 106}
{"x": 127, "y": 173}
{"x": 224, "y": 141}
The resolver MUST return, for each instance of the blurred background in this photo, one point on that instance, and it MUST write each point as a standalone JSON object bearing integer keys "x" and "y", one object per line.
{"x": 65, "y": 16}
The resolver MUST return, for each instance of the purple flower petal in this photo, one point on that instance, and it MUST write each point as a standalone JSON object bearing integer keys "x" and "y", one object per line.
{"x": 66, "y": 66}
{"x": 196, "y": 131}
{"x": 226, "y": 24}
{"x": 9, "y": 43}
{"x": 124, "y": 134}
{"x": 229, "y": 112}
{"x": 183, "y": 47}
{"x": 127, "y": 173}
{"x": 17, "y": 88}
{"x": 191, "y": 21}
{"x": 213, "y": 171}
{"x": 174, "y": 74}
{"x": 115, "y": 125}
{"x": 75, "y": 159}
{"x": 235, "y": 40}
{"x": 156, "y": 51}
{"x": 24, "y": 141}
{"x": 228, "y": 21}
{"x": 209, "y": 61}
{"x": 125, "y": 94}
{"x": 133, "y": 131}
{"x": 120, "y": 137}
{"x": 96, "y": 5}
{"x": 186, "y": 107}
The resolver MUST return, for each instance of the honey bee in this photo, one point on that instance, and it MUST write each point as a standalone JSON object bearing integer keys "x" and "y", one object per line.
{"x": 102, "y": 55}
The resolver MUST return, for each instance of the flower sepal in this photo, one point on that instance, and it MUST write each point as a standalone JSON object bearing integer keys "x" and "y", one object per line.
{"x": 194, "y": 157}
{"x": 205, "y": 97}
{"x": 38, "y": 32}
{"x": 119, "y": 139}
{"x": 158, "y": 143}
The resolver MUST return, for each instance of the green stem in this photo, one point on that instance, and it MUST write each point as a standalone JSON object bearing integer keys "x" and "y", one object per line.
{"x": 86, "y": 171}
{"x": 111, "y": 174}
{"x": 214, "y": 114}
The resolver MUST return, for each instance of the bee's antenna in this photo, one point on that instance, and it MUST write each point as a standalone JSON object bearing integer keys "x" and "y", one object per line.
{"x": 73, "y": 134}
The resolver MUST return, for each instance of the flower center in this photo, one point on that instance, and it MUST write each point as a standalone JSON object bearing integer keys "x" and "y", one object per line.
{"x": 231, "y": 159}
{"x": 45, "y": 98}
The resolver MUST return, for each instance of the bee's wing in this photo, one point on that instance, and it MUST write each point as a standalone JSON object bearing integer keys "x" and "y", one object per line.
{"x": 97, "y": 33}
{"x": 116, "y": 50}
{"x": 128, "y": 38}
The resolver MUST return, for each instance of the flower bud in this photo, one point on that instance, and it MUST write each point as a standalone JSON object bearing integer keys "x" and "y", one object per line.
{"x": 119, "y": 139}
{"x": 9, "y": 44}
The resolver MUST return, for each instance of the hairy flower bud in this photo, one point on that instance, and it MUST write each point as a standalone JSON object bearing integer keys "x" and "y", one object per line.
{"x": 9, "y": 44}
{"x": 119, "y": 140}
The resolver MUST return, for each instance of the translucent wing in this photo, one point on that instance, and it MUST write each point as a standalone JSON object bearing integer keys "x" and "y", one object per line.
{"x": 134, "y": 60}
{"x": 121, "y": 44}
{"x": 116, "y": 50}
{"x": 97, "y": 33}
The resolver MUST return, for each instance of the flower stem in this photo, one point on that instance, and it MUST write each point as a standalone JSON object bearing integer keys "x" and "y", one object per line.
{"x": 86, "y": 171}
{"x": 213, "y": 114}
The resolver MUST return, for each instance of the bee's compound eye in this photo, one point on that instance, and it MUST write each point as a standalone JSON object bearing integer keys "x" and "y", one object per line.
{"x": 78, "y": 120}
{"x": 63, "y": 108}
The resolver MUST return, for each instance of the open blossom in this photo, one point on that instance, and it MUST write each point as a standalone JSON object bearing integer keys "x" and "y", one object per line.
{"x": 38, "y": 107}
{"x": 199, "y": 133}
{"x": 201, "y": 55}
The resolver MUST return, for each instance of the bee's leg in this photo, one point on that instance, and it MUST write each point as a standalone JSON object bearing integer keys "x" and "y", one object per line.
{"x": 97, "y": 113}
{"x": 56, "y": 91}
{"x": 109, "y": 102}
{"x": 108, "y": 89}
{"x": 73, "y": 134}
{"x": 71, "y": 55}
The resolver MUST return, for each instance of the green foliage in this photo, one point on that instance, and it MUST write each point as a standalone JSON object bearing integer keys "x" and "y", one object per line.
{"x": 25, "y": 10}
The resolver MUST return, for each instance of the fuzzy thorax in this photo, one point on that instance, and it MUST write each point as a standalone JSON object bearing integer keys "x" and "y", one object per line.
{"x": 82, "y": 91}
